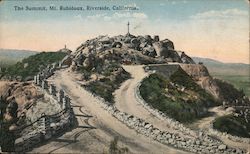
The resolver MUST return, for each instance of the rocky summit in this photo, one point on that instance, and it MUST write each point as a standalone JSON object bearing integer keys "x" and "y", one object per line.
{"x": 128, "y": 49}
{"x": 139, "y": 90}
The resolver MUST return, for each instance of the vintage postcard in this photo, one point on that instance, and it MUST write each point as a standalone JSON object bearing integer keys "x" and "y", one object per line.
{"x": 124, "y": 76}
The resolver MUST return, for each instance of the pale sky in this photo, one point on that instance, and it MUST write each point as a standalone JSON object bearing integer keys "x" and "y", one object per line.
{"x": 217, "y": 29}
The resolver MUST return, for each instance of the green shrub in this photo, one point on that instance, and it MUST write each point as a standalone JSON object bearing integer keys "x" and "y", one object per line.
{"x": 34, "y": 63}
{"x": 180, "y": 77}
{"x": 232, "y": 125}
{"x": 172, "y": 101}
{"x": 105, "y": 87}
{"x": 104, "y": 90}
{"x": 228, "y": 92}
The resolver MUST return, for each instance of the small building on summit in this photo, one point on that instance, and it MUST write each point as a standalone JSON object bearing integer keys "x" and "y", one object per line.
{"x": 65, "y": 50}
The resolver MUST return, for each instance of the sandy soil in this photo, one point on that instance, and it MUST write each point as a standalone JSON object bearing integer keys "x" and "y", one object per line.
{"x": 96, "y": 126}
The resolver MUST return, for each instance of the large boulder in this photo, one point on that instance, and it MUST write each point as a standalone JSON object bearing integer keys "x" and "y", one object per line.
{"x": 156, "y": 38}
{"x": 117, "y": 45}
{"x": 162, "y": 46}
{"x": 159, "y": 48}
{"x": 149, "y": 51}
{"x": 195, "y": 71}
{"x": 135, "y": 43}
{"x": 222, "y": 147}
{"x": 168, "y": 44}
{"x": 12, "y": 108}
{"x": 127, "y": 39}
{"x": 148, "y": 39}
{"x": 79, "y": 59}
{"x": 67, "y": 60}
{"x": 186, "y": 59}
{"x": 162, "y": 50}
{"x": 106, "y": 40}
{"x": 89, "y": 61}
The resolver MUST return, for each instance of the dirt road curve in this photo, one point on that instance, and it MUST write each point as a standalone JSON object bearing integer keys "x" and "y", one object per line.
{"x": 96, "y": 126}
{"x": 126, "y": 101}
{"x": 205, "y": 123}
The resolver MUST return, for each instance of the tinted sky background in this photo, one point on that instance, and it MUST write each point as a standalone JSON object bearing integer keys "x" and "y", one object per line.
{"x": 217, "y": 29}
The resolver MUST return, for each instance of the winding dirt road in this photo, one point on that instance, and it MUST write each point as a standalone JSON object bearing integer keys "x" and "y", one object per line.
{"x": 96, "y": 126}
{"x": 126, "y": 101}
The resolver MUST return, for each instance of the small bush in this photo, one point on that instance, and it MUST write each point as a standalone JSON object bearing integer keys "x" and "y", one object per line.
{"x": 232, "y": 125}
{"x": 114, "y": 149}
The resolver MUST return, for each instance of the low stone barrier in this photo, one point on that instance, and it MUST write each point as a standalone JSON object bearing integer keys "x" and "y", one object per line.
{"x": 171, "y": 122}
{"x": 201, "y": 144}
{"x": 178, "y": 126}
{"x": 197, "y": 142}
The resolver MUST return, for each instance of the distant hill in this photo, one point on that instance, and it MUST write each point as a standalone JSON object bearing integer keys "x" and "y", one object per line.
{"x": 237, "y": 74}
{"x": 12, "y": 56}
{"x": 221, "y": 68}
{"x": 30, "y": 66}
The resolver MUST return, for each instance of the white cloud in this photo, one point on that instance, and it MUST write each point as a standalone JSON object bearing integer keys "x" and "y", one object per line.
{"x": 131, "y": 5}
{"x": 78, "y": 17}
{"x": 139, "y": 15}
{"x": 220, "y": 14}
{"x": 96, "y": 16}
{"x": 173, "y": 2}
{"x": 118, "y": 16}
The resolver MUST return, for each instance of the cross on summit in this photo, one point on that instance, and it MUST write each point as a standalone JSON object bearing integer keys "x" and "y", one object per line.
{"x": 128, "y": 33}
{"x": 128, "y": 27}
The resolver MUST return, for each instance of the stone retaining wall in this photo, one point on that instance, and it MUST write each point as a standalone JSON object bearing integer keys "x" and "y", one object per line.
{"x": 171, "y": 122}
{"x": 178, "y": 126}
{"x": 165, "y": 70}
{"x": 201, "y": 144}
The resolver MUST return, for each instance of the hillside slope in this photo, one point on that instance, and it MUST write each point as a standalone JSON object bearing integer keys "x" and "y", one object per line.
{"x": 237, "y": 74}
{"x": 28, "y": 67}
{"x": 12, "y": 56}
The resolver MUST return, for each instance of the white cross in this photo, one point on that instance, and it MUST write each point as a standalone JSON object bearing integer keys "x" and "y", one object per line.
{"x": 128, "y": 27}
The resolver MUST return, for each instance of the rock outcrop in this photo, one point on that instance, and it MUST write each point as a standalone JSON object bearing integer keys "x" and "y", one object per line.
{"x": 195, "y": 71}
{"x": 186, "y": 59}
{"x": 129, "y": 49}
